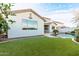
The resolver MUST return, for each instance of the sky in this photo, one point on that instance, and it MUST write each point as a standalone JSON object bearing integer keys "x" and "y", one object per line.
{"x": 62, "y": 12}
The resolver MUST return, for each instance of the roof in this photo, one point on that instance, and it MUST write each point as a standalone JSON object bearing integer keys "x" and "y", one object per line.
{"x": 28, "y": 10}
{"x": 57, "y": 22}
{"x": 54, "y": 22}
{"x": 46, "y": 18}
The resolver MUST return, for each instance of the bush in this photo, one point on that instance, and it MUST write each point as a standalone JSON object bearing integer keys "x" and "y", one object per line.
{"x": 55, "y": 32}
{"x": 67, "y": 33}
{"x": 77, "y": 38}
{"x": 72, "y": 32}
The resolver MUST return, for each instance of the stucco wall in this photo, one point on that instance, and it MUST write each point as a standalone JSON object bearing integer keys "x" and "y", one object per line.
{"x": 16, "y": 28}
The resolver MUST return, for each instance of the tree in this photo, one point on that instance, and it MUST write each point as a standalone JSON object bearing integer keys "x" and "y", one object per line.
{"x": 5, "y": 13}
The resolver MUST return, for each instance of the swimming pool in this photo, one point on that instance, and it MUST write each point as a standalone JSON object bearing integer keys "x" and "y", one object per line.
{"x": 66, "y": 36}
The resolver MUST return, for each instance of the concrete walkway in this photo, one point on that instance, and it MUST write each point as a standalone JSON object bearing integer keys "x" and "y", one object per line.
{"x": 50, "y": 35}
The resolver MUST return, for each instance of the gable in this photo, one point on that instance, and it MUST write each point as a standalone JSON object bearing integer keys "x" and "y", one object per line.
{"x": 28, "y": 10}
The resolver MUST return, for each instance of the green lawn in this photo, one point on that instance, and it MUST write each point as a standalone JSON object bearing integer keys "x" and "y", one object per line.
{"x": 40, "y": 46}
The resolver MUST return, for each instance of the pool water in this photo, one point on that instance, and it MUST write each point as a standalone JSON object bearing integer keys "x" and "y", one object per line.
{"x": 66, "y": 36}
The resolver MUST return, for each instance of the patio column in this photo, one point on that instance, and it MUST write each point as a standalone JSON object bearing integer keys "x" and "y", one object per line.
{"x": 50, "y": 29}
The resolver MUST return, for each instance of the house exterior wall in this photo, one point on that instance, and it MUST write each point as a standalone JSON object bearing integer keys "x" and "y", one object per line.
{"x": 16, "y": 28}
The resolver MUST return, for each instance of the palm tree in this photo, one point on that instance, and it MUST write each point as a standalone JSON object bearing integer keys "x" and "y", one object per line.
{"x": 5, "y": 12}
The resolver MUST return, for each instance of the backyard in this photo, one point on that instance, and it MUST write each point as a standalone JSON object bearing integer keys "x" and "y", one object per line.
{"x": 39, "y": 46}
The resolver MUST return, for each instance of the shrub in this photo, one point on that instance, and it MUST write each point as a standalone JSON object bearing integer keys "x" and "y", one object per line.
{"x": 72, "y": 32}
{"x": 77, "y": 38}
{"x": 55, "y": 32}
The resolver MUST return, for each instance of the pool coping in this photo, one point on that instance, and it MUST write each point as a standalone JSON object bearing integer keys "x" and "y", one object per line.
{"x": 58, "y": 36}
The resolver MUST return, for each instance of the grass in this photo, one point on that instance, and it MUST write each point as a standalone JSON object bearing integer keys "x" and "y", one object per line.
{"x": 40, "y": 46}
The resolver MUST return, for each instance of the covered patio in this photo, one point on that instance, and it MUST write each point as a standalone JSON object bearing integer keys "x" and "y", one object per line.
{"x": 50, "y": 26}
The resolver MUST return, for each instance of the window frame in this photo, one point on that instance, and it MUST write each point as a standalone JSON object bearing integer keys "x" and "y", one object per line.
{"x": 27, "y": 25}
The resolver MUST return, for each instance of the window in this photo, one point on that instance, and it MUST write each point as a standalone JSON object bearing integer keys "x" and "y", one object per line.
{"x": 30, "y": 24}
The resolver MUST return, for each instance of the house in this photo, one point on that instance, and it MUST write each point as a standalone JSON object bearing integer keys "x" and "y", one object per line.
{"x": 27, "y": 23}
{"x": 50, "y": 25}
